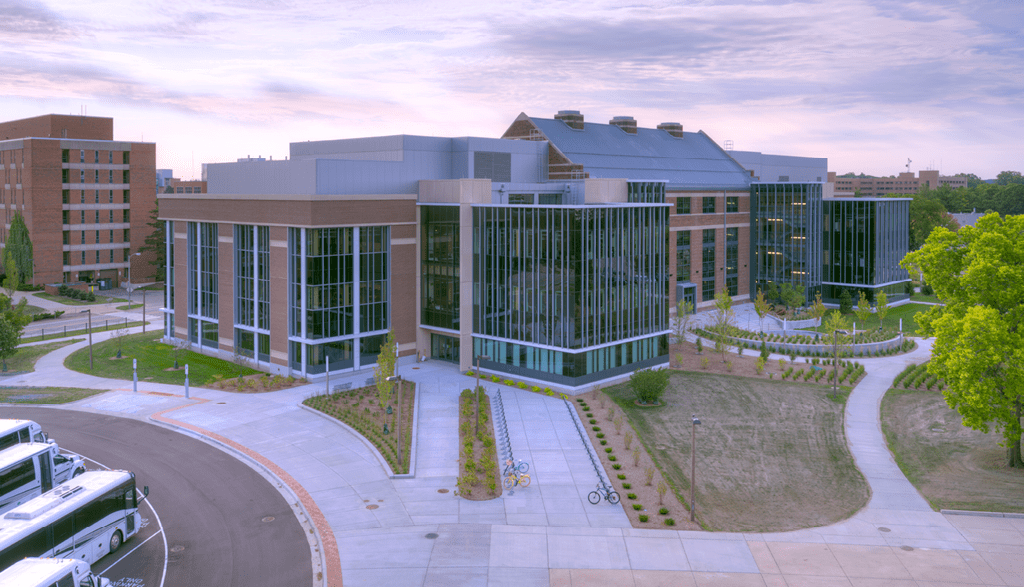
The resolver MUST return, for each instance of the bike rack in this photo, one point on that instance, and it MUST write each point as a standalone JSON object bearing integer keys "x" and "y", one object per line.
{"x": 598, "y": 469}
{"x": 502, "y": 441}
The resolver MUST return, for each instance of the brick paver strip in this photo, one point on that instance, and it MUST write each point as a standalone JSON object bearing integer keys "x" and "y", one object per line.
{"x": 328, "y": 543}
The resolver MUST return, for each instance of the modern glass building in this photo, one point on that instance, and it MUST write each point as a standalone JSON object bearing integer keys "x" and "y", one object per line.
{"x": 785, "y": 220}
{"x": 863, "y": 243}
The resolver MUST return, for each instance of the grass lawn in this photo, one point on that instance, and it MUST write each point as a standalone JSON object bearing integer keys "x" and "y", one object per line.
{"x": 33, "y": 310}
{"x": 71, "y": 302}
{"x": 771, "y": 455}
{"x": 82, "y": 332}
{"x": 26, "y": 357}
{"x": 892, "y": 319}
{"x": 44, "y": 395}
{"x": 131, "y": 307}
{"x": 920, "y": 297}
{"x": 156, "y": 362}
{"x": 952, "y": 466}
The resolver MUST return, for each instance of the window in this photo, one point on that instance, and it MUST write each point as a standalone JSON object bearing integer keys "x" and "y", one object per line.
{"x": 683, "y": 256}
{"x": 124, "y": 157}
{"x": 96, "y": 176}
{"x": 83, "y": 257}
{"x": 124, "y": 176}
{"x": 82, "y": 216}
{"x": 96, "y": 157}
{"x": 709, "y": 205}
{"x": 111, "y": 219}
{"x": 709, "y": 235}
{"x": 65, "y": 156}
{"x": 81, "y": 176}
{"x": 732, "y": 204}
{"x": 110, "y": 196}
{"x": 682, "y": 205}
{"x": 81, "y": 156}
{"x": 97, "y": 256}
{"x": 520, "y": 199}
{"x": 124, "y": 214}
{"x": 127, "y": 197}
{"x": 65, "y": 176}
{"x": 110, "y": 178}
{"x": 67, "y": 237}
{"x": 97, "y": 217}
{"x": 66, "y": 196}
{"x": 110, "y": 156}
{"x": 111, "y": 236}
{"x": 96, "y": 197}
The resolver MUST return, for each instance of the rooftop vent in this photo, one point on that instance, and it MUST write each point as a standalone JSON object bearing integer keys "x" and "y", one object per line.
{"x": 673, "y": 128}
{"x": 626, "y": 123}
{"x": 572, "y": 118}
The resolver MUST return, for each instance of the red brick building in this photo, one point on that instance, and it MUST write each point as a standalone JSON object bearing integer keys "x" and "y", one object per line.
{"x": 86, "y": 198}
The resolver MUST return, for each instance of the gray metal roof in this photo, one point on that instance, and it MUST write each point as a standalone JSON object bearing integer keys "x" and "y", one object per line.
{"x": 691, "y": 162}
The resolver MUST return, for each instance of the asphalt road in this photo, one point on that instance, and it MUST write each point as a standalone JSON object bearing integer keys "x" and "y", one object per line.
{"x": 211, "y": 506}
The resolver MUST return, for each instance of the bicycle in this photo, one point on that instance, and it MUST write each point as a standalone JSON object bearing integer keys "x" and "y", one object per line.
{"x": 516, "y": 479}
{"x": 609, "y": 494}
{"x": 522, "y": 467}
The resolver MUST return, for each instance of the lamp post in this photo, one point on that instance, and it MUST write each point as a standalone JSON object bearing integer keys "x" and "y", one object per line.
{"x": 89, "y": 312}
{"x": 693, "y": 468}
{"x": 398, "y": 425}
{"x": 477, "y": 390}
{"x": 130, "y": 283}
{"x": 835, "y": 364}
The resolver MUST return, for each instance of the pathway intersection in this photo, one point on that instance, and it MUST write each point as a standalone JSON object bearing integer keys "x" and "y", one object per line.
{"x": 548, "y": 534}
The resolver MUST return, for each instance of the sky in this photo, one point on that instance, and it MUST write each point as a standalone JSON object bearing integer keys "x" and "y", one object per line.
{"x": 867, "y": 84}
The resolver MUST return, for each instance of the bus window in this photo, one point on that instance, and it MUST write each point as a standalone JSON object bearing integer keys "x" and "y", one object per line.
{"x": 65, "y": 581}
{"x": 18, "y": 476}
{"x": 8, "y": 440}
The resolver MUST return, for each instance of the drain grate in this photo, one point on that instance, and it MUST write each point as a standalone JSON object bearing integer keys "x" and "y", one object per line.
{"x": 177, "y": 548}
{"x": 442, "y": 490}
{"x": 431, "y": 535}
{"x": 268, "y": 519}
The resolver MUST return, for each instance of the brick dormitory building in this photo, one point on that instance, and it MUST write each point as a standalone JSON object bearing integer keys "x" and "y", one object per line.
{"x": 86, "y": 198}
{"x": 557, "y": 252}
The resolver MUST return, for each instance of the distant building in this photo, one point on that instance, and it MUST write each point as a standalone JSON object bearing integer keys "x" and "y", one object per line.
{"x": 904, "y": 183}
{"x": 85, "y": 197}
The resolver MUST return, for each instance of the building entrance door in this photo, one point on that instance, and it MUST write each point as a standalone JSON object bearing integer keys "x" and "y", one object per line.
{"x": 444, "y": 348}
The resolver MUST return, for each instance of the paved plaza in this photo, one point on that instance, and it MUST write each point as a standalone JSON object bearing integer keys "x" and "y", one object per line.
{"x": 412, "y": 530}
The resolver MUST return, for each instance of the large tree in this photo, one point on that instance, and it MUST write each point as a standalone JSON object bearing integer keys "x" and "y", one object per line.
{"x": 978, "y": 272}
{"x": 1009, "y": 177}
{"x": 972, "y": 180}
{"x": 156, "y": 244}
{"x": 927, "y": 212}
{"x": 20, "y": 246}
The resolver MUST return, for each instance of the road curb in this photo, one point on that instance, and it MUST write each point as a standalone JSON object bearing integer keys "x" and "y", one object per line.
{"x": 982, "y": 514}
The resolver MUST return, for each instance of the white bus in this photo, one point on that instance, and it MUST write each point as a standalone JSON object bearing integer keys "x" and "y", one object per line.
{"x": 28, "y": 470}
{"x": 17, "y": 431}
{"x": 86, "y": 518}
{"x": 51, "y": 572}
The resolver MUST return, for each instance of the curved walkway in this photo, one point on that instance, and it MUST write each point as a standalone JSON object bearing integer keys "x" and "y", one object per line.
{"x": 544, "y": 535}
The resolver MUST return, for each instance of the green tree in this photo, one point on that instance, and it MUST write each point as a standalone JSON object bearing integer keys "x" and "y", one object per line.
{"x": 845, "y": 301}
{"x": 762, "y": 307}
{"x": 863, "y": 308}
{"x": 11, "y": 281}
{"x": 649, "y": 385}
{"x": 684, "y": 313}
{"x": 817, "y": 309}
{"x": 835, "y": 337}
{"x": 9, "y": 336}
{"x": 20, "y": 246}
{"x": 973, "y": 181}
{"x": 881, "y": 307}
{"x": 156, "y": 244}
{"x": 1009, "y": 177}
{"x": 927, "y": 212}
{"x": 978, "y": 273}
{"x": 791, "y": 295}
{"x": 723, "y": 321}
{"x": 386, "y": 368}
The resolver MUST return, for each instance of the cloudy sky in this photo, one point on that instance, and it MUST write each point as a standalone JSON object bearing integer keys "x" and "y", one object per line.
{"x": 867, "y": 84}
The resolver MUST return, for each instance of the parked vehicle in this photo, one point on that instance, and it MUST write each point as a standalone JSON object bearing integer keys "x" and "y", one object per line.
{"x": 19, "y": 431}
{"x": 51, "y": 572}
{"x": 29, "y": 470}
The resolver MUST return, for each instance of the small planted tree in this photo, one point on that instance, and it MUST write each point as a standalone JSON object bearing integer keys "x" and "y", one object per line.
{"x": 11, "y": 278}
{"x": 648, "y": 385}
{"x": 845, "y": 301}
{"x": 9, "y": 336}
{"x": 863, "y": 308}
{"x": 385, "y": 368}
{"x": 684, "y": 314}
{"x": 817, "y": 309}
{"x": 881, "y": 307}
{"x": 762, "y": 307}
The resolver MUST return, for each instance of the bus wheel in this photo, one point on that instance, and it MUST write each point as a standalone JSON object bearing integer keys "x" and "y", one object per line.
{"x": 77, "y": 473}
{"x": 115, "y": 541}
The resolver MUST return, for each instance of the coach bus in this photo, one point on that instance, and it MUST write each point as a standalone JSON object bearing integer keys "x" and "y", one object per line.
{"x": 86, "y": 518}
{"x": 28, "y": 470}
{"x": 51, "y": 572}
{"x": 18, "y": 431}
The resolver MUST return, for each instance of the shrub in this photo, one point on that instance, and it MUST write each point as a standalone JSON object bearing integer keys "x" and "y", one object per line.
{"x": 700, "y": 346}
{"x": 621, "y": 476}
{"x": 509, "y": 382}
{"x": 638, "y": 507}
{"x": 536, "y": 389}
{"x": 592, "y": 421}
{"x": 670, "y": 522}
{"x": 600, "y": 434}
{"x": 628, "y": 439}
{"x": 603, "y": 442}
{"x": 616, "y": 466}
{"x": 649, "y": 384}
{"x": 704, "y": 363}
{"x": 597, "y": 428}
{"x": 728, "y": 366}
{"x": 631, "y": 495}
{"x": 648, "y": 475}
{"x": 663, "y": 511}
{"x": 644, "y": 517}
{"x": 608, "y": 450}
{"x": 627, "y": 485}
{"x": 612, "y": 458}
{"x": 522, "y": 385}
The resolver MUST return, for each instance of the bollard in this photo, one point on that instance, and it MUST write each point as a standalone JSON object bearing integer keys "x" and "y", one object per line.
{"x": 186, "y": 381}
{"x": 43, "y": 335}
{"x": 135, "y": 375}
{"x": 65, "y": 330}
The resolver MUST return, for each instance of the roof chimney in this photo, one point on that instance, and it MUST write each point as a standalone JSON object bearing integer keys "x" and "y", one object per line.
{"x": 673, "y": 128}
{"x": 572, "y": 118}
{"x": 626, "y": 123}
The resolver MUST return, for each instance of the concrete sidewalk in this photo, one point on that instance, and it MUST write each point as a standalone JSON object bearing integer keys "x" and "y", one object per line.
{"x": 413, "y": 532}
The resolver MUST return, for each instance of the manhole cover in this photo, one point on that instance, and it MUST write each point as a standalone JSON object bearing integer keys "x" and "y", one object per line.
{"x": 431, "y": 535}
{"x": 177, "y": 548}
{"x": 442, "y": 491}
{"x": 372, "y": 506}
{"x": 884, "y": 529}
{"x": 268, "y": 519}
{"x": 907, "y": 548}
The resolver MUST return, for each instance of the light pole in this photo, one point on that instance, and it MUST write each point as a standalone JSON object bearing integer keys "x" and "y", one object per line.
{"x": 477, "y": 390}
{"x": 130, "y": 284}
{"x": 693, "y": 467}
{"x": 835, "y": 364}
{"x": 89, "y": 312}
{"x": 398, "y": 425}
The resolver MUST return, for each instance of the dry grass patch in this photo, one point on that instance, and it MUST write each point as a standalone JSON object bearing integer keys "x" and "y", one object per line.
{"x": 771, "y": 456}
{"x": 954, "y": 467}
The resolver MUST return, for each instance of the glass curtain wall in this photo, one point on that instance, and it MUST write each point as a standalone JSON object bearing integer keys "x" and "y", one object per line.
{"x": 864, "y": 241}
{"x": 252, "y": 291}
{"x": 785, "y": 245}
{"x": 551, "y": 282}
{"x": 732, "y": 260}
{"x": 202, "y": 283}
{"x": 339, "y": 296}
{"x": 683, "y": 256}
{"x": 707, "y": 267}
{"x": 439, "y": 266}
